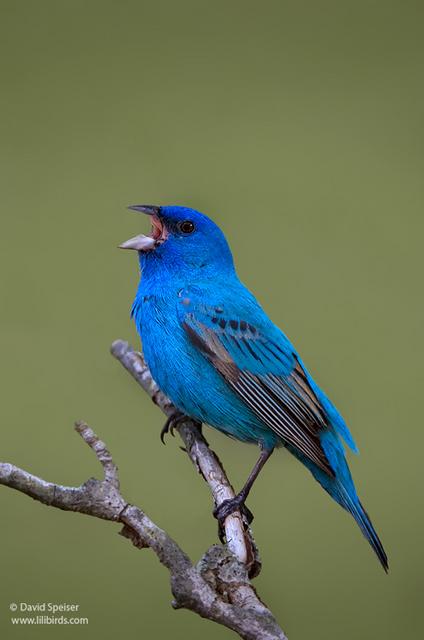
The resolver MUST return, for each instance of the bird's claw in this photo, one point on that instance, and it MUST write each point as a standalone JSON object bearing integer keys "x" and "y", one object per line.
{"x": 174, "y": 420}
{"x": 171, "y": 423}
{"x": 228, "y": 507}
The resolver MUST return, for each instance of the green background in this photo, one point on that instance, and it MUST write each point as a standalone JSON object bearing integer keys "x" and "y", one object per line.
{"x": 298, "y": 126}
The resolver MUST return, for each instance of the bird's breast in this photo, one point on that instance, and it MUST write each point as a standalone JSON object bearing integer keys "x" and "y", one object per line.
{"x": 164, "y": 344}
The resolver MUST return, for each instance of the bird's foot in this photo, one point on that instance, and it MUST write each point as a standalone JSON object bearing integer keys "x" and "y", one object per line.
{"x": 174, "y": 420}
{"x": 228, "y": 507}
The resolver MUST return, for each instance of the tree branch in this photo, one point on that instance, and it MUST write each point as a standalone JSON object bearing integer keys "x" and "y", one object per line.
{"x": 218, "y": 587}
{"x": 237, "y": 533}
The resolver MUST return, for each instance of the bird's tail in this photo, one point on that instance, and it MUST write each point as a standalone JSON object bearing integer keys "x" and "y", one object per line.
{"x": 341, "y": 488}
{"x": 354, "y": 506}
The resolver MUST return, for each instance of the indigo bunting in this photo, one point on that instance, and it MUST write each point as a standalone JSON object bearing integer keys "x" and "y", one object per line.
{"x": 215, "y": 353}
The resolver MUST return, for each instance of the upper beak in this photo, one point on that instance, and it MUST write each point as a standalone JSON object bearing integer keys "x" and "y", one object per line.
{"x": 150, "y": 209}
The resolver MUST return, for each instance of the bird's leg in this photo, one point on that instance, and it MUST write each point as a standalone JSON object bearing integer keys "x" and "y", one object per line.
{"x": 172, "y": 423}
{"x": 237, "y": 503}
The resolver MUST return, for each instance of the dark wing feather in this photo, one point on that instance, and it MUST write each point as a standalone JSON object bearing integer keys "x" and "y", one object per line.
{"x": 285, "y": 403}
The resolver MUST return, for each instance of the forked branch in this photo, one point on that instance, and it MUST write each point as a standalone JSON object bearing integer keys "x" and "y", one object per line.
{"x": 218, "y": 587}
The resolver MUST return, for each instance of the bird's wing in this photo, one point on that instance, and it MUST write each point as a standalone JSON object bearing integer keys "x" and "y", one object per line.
{"x": 259, "y": 364}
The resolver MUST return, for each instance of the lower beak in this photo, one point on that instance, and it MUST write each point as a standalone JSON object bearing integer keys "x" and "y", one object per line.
{"x": 139, "y": 243}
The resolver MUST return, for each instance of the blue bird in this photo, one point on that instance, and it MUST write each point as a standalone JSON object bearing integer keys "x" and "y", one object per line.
{"x": 215, "y": 353}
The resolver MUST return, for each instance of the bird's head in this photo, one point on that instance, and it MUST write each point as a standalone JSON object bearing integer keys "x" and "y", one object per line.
{"x": 181, "y": 238}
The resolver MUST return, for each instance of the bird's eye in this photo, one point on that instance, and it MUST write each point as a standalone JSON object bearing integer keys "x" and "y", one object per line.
{"x": 187, "y": 226}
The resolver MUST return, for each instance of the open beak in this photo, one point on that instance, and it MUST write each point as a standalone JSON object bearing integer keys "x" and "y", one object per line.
{"x": 158, "y": 233}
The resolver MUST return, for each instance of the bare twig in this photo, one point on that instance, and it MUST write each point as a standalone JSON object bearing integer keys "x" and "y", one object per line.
{"x": 218, "y": 587}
